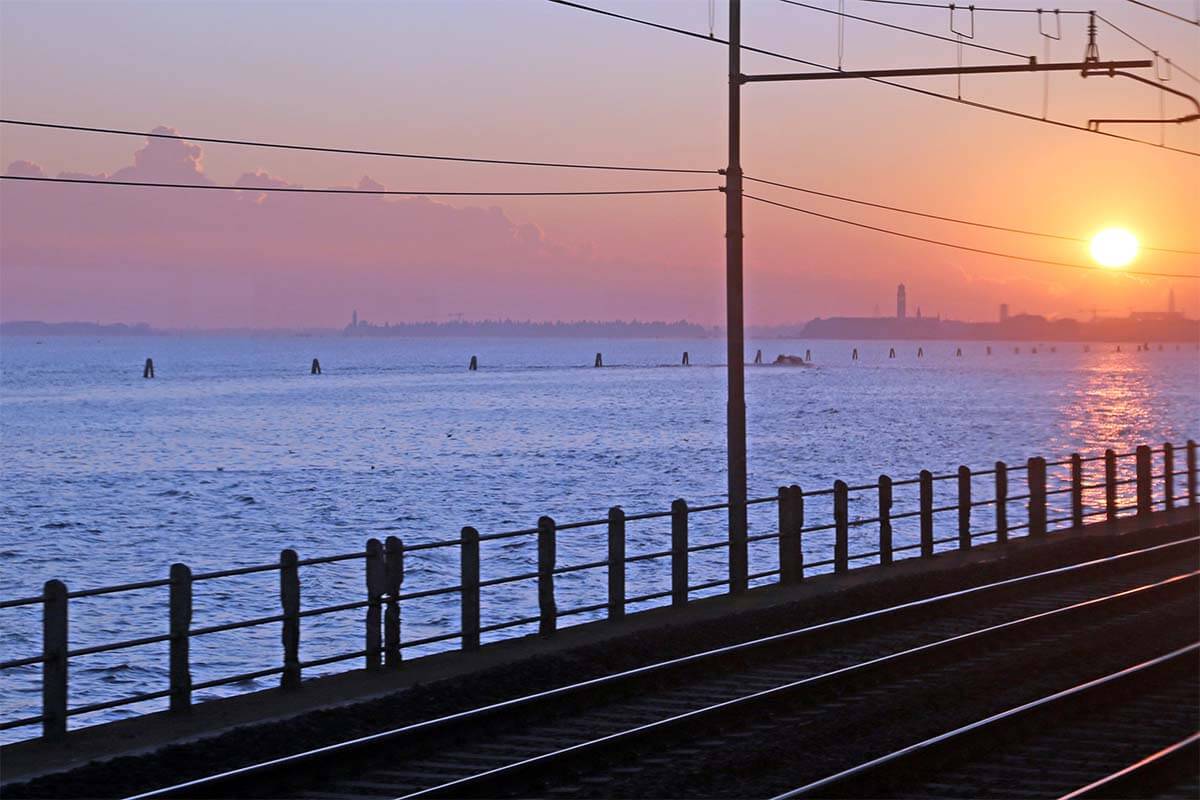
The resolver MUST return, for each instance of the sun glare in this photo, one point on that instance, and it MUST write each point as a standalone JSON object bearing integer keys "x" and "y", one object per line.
{"x": 1114, "y": 247}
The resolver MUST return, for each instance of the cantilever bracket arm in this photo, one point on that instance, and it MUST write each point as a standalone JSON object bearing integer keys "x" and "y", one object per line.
{"x": 1094, "y": 124}
{"x": 1082, "y": 66}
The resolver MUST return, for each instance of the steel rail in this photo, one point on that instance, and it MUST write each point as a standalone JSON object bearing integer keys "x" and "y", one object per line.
{"x": 708, "y": 712}
{"x": 1139, "y": 767}
{"x": 817, "y": 788}
{"x": 562, "y": 692}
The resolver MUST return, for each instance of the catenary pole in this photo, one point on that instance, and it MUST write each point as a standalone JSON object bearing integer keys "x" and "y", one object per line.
{"x": 734, "y": 318}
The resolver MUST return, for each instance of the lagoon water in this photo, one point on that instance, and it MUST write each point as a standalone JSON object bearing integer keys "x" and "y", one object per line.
{"x": 234, "y": 451}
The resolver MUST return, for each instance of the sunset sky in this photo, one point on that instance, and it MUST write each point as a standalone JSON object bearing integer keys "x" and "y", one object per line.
{"x": 526, "y": 79}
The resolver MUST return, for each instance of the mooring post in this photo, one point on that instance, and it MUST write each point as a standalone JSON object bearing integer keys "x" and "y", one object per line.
{"x": 885, "y": 520}
{"x": 1169, "y": 475}
{"x": 1191, "y": 473}
{"x": 469, "y": 567}
{"x": 1145, "y": 485}
{"x": 926, "y": 485}
{"x": 1001, "y": 502}
{"x": 376, "y": 584}
{"x": 316, "y": 367}
{"x": 808, "y": 355}
{"x": 841, "y": 523}
{"x": 180, "y": 621}
{"x": 989, "y": 349}
{"x": 791, "y": 523}
{"x": 1035, "y": 472}
{"x": 891, "y": 352}
{"x": 1110, "y": 484}
{"x": 148, "y": 370}
{"x": 854, "y": 355}
{"x": 54, "y": 667}
{"x": 1076, "y": 490}
{"x": 289, "y": 601}
{"x": 758, "y": 356}
{"x": 679, "y": 553}
{"x": 964, "y": 508}
{"x": 393, "y": 568}
{"x": 474, "y": 365}
{"x": 616, "y": 563}
{"x": 547, "y": 610}
{"x": 599, "y": 361}
{"x": 958, "y": 353}
{"x": 685, "y": 358}
{"x": 920, "y": 352}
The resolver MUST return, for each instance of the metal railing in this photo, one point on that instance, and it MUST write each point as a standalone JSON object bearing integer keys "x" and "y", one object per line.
{"x": 1077, "y": 495}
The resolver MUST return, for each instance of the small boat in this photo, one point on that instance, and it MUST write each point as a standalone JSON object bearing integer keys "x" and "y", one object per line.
{"x": 784, "y": 360}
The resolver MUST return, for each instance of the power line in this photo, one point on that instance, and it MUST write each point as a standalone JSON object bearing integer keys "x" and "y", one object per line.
{"x": 992, "y": 9}
{"x": 907, "y": 30}
{"x": 926, "y": 92}
{"x": 960, "y": 246}
{"x": 1139, "y": 42}
{"x": 350, "y": 151}
{"x": 1164, "y": 12}
{"x": 948, "y": 219}
{"x": 302, "y": 190}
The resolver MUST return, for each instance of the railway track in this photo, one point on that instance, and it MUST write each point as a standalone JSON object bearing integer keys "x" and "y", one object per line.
{"x": 1090, "y": 740}
{"x": 603, "y": 735}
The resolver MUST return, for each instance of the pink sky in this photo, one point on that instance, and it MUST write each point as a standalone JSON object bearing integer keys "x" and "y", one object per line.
{"x": 531, "y": 80}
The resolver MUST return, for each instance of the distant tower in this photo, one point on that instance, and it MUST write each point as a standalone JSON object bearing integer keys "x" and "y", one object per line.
{"x": 1171, "y": 301}
{"x": 918, "y": 312}
{"x": 1004, "y": 312}
{"x": 901, "y": 302}
{"x": 354, "y": 319}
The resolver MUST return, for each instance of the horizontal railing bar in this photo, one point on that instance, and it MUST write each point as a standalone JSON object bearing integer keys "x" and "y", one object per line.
{"x": 1058, "y": 491}
{"x": 21, "y": 723}
{"x": 758, "y": 537}
{"x": 121, "y": 701}
{"x": 245, "y": 676}
{"x": 946, "y": 477}
{"x": 424, "y": 593}
{"x": 861, "y": 556}
{"x": 121, "y": 587}
{"x": 942, "y": 509}
{"x": 1056, "y": 520}
{"x": 230, "y": 626}
{"x": 227, "y": 573}
{"x": 440, "y": 543}
{"x": 316, "y": 612}
{"x": 441, "y": 637}
{"x": 827, "y": 562}
{"x": 308, "y": 562}
{"x": 647, "y": 515}
{"x": 906, "y": 482}
{"x": 591, "y": 523}
{"x": 708, "y": 585}
{"x": 320, "y": 662}
{"x": 489, "y": 537}
{"x": 510, "y": 624}
{"x": 104, "y": 648}
{"x": 863, "y": 487}
{"x": 648, "y": 556}
{"x": 858, "y": 523}
{"x": 524, "y": 576}
{"x": 1018, "y": 497}
{"x": 644, "y": 597}
{"x": 765, "y": 574}
{"x": 905, "y": 515}
{"x": 975, "y": 473}
{"x": 757, "y": 501}
{"x": 23, "y": 601}
{"x": 696, "y": 548}
{"x": 819, "y": 528}
{"x": 22, "y": 662}
{"x": 582, "y": 609}
{"x": 714, "y": 507}
{"x": 579, "y": 567}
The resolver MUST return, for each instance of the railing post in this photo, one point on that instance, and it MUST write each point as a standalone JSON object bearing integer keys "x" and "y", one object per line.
{"x": 1036, "y": 474}
{"x": 1145, "y": 485}
{"x": 469, "y": 567}
{"x": 54, "y": 668}
{"x": 1169, "y": 475}
{"x": 679, "y": 553}
{"x": 739, "y": 556}
{"x": 376, "y": 584}
{"x": 791, "y": 523}
{"x": 1076, "y": 490}
{"x": 547, "y": 610}
{"x": 393, "y": 562}
{"x": 964, "y": 508}
{"x": 1001, "y": 502}
{"x": 289, "y": 600}
{"x": 885, "y": 520}
{"x": 1191, "y": 473}
{"x": 616, "y": 563}
{"x": 841, "y": 522}
{"x": 179, "y": 623}
{"x": 926, "y": 485}
{"x": 1110, "y": 485}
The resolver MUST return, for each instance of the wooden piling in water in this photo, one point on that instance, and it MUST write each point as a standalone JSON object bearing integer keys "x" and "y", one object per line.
{"x": 148, "y": 370}
{"x": 989, "y": 350}
{"x": 920, "y": 352}
{"x": 599, "y": 361}
{"x": 316, "y": 367}
{"x": 891, "y": 352}
{"x": 685, "y": 358}
{"x": 474, "y": 365}
{"x": 958, "y": 353}
{"x": 758, "y": 357}
{"x": 854, "y": 355}
{"x": 808, "y": 355}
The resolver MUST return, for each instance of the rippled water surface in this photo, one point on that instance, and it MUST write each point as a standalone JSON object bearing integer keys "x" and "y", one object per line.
{"x": 234, "y": 451}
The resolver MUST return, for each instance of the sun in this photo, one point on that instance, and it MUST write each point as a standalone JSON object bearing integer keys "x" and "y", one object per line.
{"x": 1114, "y": 247}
